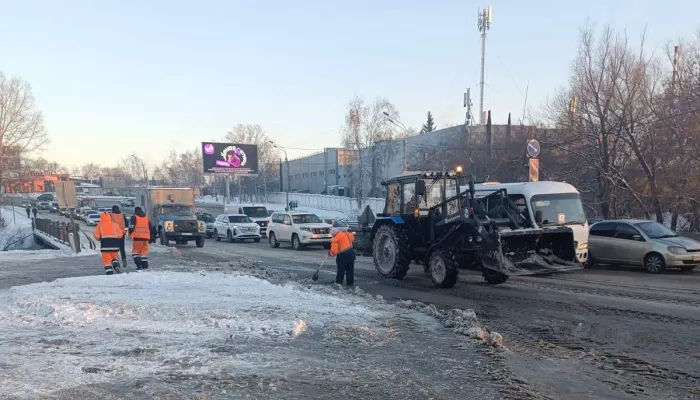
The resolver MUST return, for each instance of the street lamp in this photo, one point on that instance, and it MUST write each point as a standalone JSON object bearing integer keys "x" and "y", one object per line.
{"x": 286, "y": 161}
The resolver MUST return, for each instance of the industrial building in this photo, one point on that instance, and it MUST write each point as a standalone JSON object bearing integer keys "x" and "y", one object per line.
{"x": 316, "y": 173}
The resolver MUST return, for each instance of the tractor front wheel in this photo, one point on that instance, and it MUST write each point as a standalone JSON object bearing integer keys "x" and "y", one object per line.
{"x": 443, "y": 268}
{"x": 391, "y": 251}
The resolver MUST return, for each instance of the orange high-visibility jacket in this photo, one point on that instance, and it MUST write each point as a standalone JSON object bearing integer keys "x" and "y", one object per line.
{"x": 141, "y": 228}
{"x": 108, "y": 233}
{"x": 342, "y": 241}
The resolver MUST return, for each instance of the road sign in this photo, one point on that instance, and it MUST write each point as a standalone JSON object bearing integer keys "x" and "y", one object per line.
{"x": 534, "y": 170}
{"x": 533, "y": 148}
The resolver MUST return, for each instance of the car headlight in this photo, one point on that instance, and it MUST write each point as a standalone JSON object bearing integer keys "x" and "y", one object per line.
{"x": 583, "y": 246}
{"x": 676, "y": 250}
{"x": 169, "y": 226}
{"x": 202, "y": 226}
{"x": 305, "y": 229}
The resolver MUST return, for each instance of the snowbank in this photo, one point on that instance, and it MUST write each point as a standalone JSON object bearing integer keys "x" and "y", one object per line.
{"x": 17, "y": 232}
{"x": 109, "y": 329}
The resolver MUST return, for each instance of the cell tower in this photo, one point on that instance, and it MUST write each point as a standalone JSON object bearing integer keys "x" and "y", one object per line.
{"x": 485, "y": 17}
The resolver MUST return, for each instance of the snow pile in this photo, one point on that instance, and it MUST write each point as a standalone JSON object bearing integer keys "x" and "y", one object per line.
{"x": 463, "y": 322}
{"x": 109, "y": 329}
{"x": 15, "y": 230}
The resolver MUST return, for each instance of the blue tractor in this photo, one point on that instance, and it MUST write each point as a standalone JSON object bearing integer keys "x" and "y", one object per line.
{"x": 428, "y": 220}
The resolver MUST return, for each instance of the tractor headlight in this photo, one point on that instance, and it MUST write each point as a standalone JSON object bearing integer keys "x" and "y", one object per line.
{"x": 583, "y": 246}
{"x": 169, "y": 226}
{"x": 202, "y": 226}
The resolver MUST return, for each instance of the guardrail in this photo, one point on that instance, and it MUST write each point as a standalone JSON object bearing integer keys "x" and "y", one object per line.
{"x": 59, "y": 230}
{"x": 347, "y": 205}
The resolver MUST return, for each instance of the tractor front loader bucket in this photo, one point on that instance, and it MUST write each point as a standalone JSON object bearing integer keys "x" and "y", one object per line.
{"x": 531, "y": 251}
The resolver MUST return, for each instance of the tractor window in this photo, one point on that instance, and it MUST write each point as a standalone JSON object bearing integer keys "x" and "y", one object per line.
{"x": 433, "y": 193}
{"x": 519, "y": 201}
{"x": 409, "y": 197}
{"x": 393, "y": 200}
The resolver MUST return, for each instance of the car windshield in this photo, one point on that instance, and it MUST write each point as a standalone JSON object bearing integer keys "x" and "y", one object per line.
{"x": 306, "y": 219}
{"x": 205, "y": 217}
{"x": 239, "y": 218}
{"x": 559, "y": 208}
{"x": 655, "y": 230}
{"x": 176, "y": 209}
{"x": 255, "y": 212}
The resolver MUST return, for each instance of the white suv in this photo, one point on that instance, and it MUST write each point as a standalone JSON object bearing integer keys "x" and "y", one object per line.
{"x": 236, "y": 227}
{"x": 299, "y": 228}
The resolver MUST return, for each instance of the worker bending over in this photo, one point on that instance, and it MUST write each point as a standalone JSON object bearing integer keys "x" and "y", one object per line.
{"x": 342, "y": 250}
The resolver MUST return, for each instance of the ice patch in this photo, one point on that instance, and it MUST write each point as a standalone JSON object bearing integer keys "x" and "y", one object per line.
{"x": 77, "y": 331}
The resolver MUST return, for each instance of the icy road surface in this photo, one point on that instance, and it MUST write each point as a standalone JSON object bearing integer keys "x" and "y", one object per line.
{"x": 210, "y": 334}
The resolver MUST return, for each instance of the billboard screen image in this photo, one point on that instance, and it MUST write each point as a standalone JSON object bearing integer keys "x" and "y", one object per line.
{"x": 230, "y": 158}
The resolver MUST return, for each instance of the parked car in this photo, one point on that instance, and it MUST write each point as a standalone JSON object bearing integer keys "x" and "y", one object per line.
{"x": 54, "y": 208}
{"x": 45, "y": 197}
{"x": 299, "y": 228}
{"x": 92, "y": 219}
{"x": 236, "y": 227}
{"x": 640, "y": 242}
{"x": 43, "y": 205}
{"x": 339, "y": 225}
{"x": 89, "y": 213}
{"x": 209, "y": 220}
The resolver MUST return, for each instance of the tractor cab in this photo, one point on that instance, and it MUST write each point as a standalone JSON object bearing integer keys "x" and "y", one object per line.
{"x": 417, "y": 193}
{"x": 419, "y": 199}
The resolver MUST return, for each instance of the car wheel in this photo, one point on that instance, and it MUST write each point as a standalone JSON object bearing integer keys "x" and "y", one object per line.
{"x": 654, "y": 263}
{"x": 296, "y": 243}
{"x": 229, "y": 236}
{"x": 273, "y": 240}
{"x": 216, "y": 236}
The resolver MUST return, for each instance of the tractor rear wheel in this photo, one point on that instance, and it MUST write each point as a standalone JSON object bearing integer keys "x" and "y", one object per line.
{"x": 392, "y": 253}
{"x": 443, "y": 268}
{"x": 494, "y": 277}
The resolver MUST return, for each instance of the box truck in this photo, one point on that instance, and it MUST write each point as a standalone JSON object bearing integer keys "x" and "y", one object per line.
{"x": 172, "y": 214}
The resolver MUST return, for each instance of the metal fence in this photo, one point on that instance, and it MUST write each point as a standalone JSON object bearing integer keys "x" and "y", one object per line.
{"x": 59, "y": 230}
{"x": 347, "y": 205}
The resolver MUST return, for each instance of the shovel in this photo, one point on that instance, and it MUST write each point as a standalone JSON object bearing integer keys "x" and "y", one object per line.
{"x": 315, "y": 277}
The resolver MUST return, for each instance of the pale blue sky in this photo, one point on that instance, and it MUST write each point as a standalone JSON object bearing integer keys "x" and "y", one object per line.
{"x": 150, "y": 76}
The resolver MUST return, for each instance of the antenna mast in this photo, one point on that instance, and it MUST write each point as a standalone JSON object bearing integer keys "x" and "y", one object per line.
{"x": 484, "y": 23}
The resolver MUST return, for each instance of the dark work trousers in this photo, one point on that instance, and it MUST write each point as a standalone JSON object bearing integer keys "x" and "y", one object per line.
{"x": 122, "y": 251}
{"x": 345, "y": 262}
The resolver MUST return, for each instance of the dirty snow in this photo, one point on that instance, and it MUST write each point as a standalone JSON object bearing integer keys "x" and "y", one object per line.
{"x": 101, "y": 329}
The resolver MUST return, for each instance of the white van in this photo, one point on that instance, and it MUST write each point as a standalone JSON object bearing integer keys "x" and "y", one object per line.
{"x": 559, "y": 204}
{"x": 257, "y": 212}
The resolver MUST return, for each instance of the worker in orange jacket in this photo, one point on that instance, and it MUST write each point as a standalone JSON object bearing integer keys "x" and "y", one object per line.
{"x": 342, "y": 250}
{"x": 109, "y": 234}
{"x": 140, "y": 230}
{"x": 120, "y": 219}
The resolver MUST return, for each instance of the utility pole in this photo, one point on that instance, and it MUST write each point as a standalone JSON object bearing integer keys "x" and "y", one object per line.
{"x": 403, "y": 168}
{"x": 484, "y": 24}
{"x": 468, "y": 106}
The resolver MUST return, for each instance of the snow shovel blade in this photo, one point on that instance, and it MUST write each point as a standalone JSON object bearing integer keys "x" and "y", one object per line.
{"x": 532, "y": 252}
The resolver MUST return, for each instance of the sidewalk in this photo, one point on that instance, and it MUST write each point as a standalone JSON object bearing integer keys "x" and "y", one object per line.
{"x": 32, "y": 270}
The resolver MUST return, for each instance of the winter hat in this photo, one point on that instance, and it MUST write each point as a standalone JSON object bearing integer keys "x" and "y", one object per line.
{"x": 334, "y": 231}
{"x": 137, "y": 209}
{"x": 115, "y": 208}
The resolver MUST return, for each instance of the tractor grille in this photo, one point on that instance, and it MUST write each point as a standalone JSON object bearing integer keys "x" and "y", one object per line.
{"x": 321, "y": 231}
{"x": 186, "y": 226}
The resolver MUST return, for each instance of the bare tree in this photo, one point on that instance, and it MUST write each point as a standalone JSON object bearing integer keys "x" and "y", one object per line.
{"x": 365, "y": 126}
{"x": 21, "y": 124}
{"x": 91, "y": 171}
